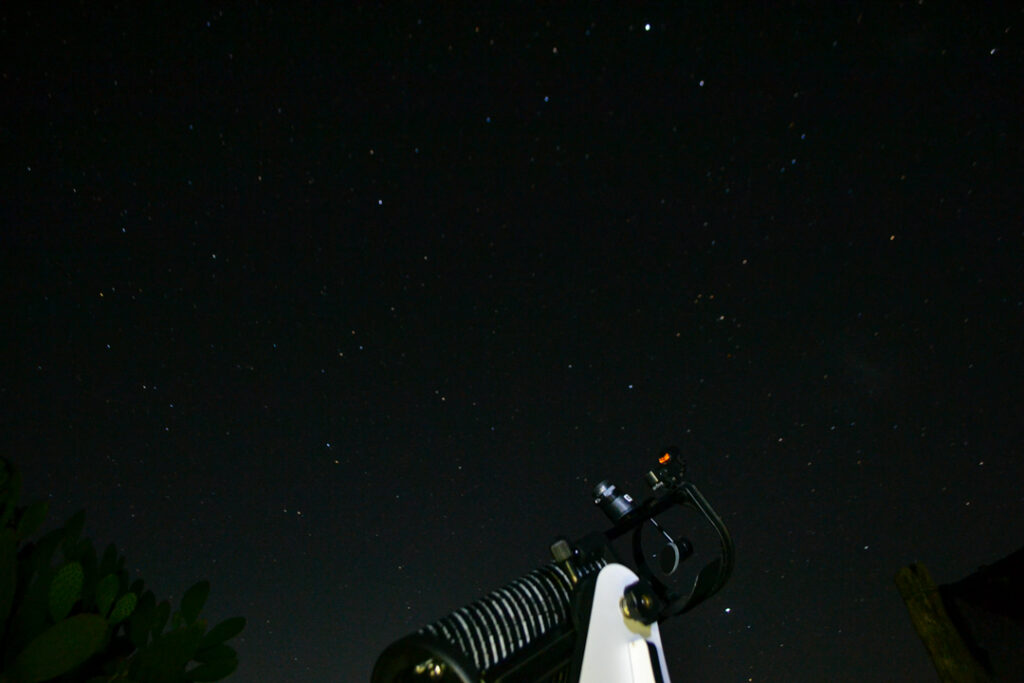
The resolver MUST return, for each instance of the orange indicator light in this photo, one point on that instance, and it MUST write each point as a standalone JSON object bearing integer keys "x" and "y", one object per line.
{"x": 664, "y": 459}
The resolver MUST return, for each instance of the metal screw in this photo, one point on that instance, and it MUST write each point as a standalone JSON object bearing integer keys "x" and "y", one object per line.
{"x": 431, "y": 668}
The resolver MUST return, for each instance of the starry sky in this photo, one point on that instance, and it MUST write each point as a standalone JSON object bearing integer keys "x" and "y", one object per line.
{"x": 347, "y": 310}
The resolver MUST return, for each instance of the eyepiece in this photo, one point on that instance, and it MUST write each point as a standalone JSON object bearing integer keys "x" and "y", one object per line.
{"x": 614, "y": 504}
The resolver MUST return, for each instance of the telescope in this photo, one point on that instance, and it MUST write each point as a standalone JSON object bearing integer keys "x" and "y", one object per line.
{"x": 592, "y": 614}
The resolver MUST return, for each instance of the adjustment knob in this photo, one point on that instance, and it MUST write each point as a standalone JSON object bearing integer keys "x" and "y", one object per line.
{"x": 561, "y": 550}
{"x": 640, "y": 603}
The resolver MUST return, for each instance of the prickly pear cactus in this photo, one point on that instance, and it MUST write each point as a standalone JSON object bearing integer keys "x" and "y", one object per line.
{"x": 123, "y": 608}
{"x": 59, "y": 649}
{"x": 65, "y": 590}
{"x": 81, "y": 620}
{"x": 193, "y": 600}
{"x": 106, "y": 593}
{"x": 31, "y": 519}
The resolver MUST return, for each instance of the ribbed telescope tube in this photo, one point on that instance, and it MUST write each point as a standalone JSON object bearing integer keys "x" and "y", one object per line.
{"x": 525, "y": 625}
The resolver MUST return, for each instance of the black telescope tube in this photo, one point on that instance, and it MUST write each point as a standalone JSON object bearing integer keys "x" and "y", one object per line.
{"x": 508, "y": 628}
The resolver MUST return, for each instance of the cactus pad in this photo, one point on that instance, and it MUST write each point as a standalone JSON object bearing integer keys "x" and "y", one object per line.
{"x": 66, "y": 590}
{"x": 123, "y": 609}
{"x": 60, "y": 648}
{"x": 106, "y": 591}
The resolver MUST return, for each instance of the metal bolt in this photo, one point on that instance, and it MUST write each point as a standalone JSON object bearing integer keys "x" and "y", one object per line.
{"x": 431, "y": 668}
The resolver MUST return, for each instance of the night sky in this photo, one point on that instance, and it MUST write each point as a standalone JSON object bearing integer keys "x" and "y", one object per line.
{"x": 347, "y": 311}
